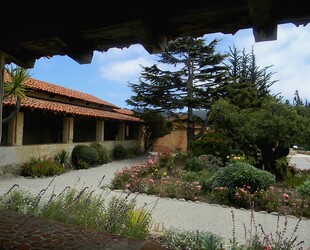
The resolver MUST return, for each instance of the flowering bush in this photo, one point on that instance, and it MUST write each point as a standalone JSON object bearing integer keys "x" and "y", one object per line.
{"x": 41, "y": 166}
{"x": 152, "y": 177}
{"x": 245, "y": 185}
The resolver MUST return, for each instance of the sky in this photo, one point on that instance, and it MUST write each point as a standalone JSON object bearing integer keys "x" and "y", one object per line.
{"x": 109, "y": 73}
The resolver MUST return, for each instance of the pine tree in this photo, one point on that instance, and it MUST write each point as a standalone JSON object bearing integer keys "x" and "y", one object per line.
{"x": 247, "y": 85}
{"x": 192, "y": 70}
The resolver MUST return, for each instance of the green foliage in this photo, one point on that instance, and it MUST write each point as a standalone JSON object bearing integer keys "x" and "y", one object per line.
{"x": 166, "y": 160}
{"x": 189, "y": 176}
{"x": 247, "y": 84}
{"x": 139, "y": 221}
{"x": 178, "y": 239}
{"x": 103, "y": 153}
{"x": 296, "y": 179}
{"x": 62, "y": 158}
{"x": 239, "y": 175}
{"x": 82, "y": 154}
{"x": 15, "y": 89}
{"x": 272, "y": 128}
{"x": 83, "y": 208}
{"x": 203, "y": 162}
{"x": 304, "y": 189}
{"x": 119, "y": 152}
{"x": 197, "y": 68}
{"x": 155, "y": 126}
{"x": 284, "y": 171}
{"x": 19, "y": 201}
{"x": 212, "y": 143}
{"x": 122, "y": 218}
{"x": 38, "y": 167}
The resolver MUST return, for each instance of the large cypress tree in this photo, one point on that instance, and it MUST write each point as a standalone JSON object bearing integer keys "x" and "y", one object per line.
{"x": 246, "y": 85}
{"x": 189, "y": 70}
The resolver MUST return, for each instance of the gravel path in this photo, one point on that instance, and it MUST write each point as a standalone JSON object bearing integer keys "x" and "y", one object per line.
{"x": 167, "y": 212}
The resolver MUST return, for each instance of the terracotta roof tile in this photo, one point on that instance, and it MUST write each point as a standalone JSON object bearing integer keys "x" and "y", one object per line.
{"x": 30, "y": 102}
{"x": 124, "y": 111}
{"x": 59, "y": 90}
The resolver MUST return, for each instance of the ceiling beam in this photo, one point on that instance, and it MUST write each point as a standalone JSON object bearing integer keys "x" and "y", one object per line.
{"x": 265, "y": 27}
{"x": 152, "y": 42}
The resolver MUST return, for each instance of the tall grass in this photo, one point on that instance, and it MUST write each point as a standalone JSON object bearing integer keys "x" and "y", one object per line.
{"x": 84, "y": 208}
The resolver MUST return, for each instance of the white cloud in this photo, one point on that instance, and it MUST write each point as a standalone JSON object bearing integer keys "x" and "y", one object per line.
{"x": 123, "y": 71}
{"x": 289, "y": 57}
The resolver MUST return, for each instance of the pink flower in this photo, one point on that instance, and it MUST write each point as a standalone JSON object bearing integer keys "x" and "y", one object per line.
{"x": 199, "y": 187}
{"x": 127, "y": 185}
{"x": 285, "y": 196}
{"x": 151, "y": 180}
{"x": 150, "y": 161}
{"x": 271, "y": 188}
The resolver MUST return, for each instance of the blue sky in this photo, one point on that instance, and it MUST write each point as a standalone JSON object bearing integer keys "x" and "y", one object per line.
{"x": 107, "y": 76}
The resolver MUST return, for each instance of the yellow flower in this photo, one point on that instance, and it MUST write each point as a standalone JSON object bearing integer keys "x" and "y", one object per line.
{"x": 164, "y": 173}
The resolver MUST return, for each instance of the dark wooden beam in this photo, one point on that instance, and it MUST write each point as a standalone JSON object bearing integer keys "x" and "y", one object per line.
{"x": 263, "y": 14}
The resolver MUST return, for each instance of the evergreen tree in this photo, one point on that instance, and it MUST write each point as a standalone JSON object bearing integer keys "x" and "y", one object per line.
{"x": 297, "y": 101}
{"x": 193, "y": 70}
{"x": 273, "y": 128}
{"x": 247, "y": 84}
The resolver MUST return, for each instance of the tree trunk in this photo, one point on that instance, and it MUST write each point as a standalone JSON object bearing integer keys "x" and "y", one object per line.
{"x": 190, "y": 127}
{"x": 14, "y": 113}
{"x": 190, "y": 118}
{"x": 270, "y": 154}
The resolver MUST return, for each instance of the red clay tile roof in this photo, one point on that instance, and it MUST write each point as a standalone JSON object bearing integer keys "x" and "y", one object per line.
{"x": 124, "y": 111}
{"x": 55, "y": 89}
{"x": 34, "y": 103}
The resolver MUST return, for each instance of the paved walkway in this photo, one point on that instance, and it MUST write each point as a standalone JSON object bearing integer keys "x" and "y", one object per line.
{"x": 166, "y": 212}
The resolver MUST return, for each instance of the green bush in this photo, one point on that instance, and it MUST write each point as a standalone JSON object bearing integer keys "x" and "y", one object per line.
{"x": 134, "y": 152}
{"x": 38, "y": 167}
{"x": 62, "y": 158}
{"x": 81, "y": 207}
{"x": 208, "y": 162}
{"x": 103, "y": 153}
{"x": 212, "y": 143}
{"x": 304, "y": 189}
{"x": 85, "y": 154}
{"x": 119, "y": 152}
{"x": 240, "y": 174}
{"x": 191, "y": 239}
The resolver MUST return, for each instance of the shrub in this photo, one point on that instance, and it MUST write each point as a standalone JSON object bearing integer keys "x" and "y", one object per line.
{"x": 85, "y": 154}
{"x": 239, "y": 175}
{"x": 62, "y": 158}
{"x": 103, "y": 153}
{"x": 83, "y": 208}
{"x": 133, "y": 152}
{"x": 121, "y": 217}
{"x": 38, "y": 167}
{"x": 119, "y": 152}
{"x": 304, "y": 189}
{"x": 217, "y": 144}
{"x": 283, "y": 170}
{"x": 203, "y": 162}
{"x": 19, "y": 201}
{"x": 191, "y": 239}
